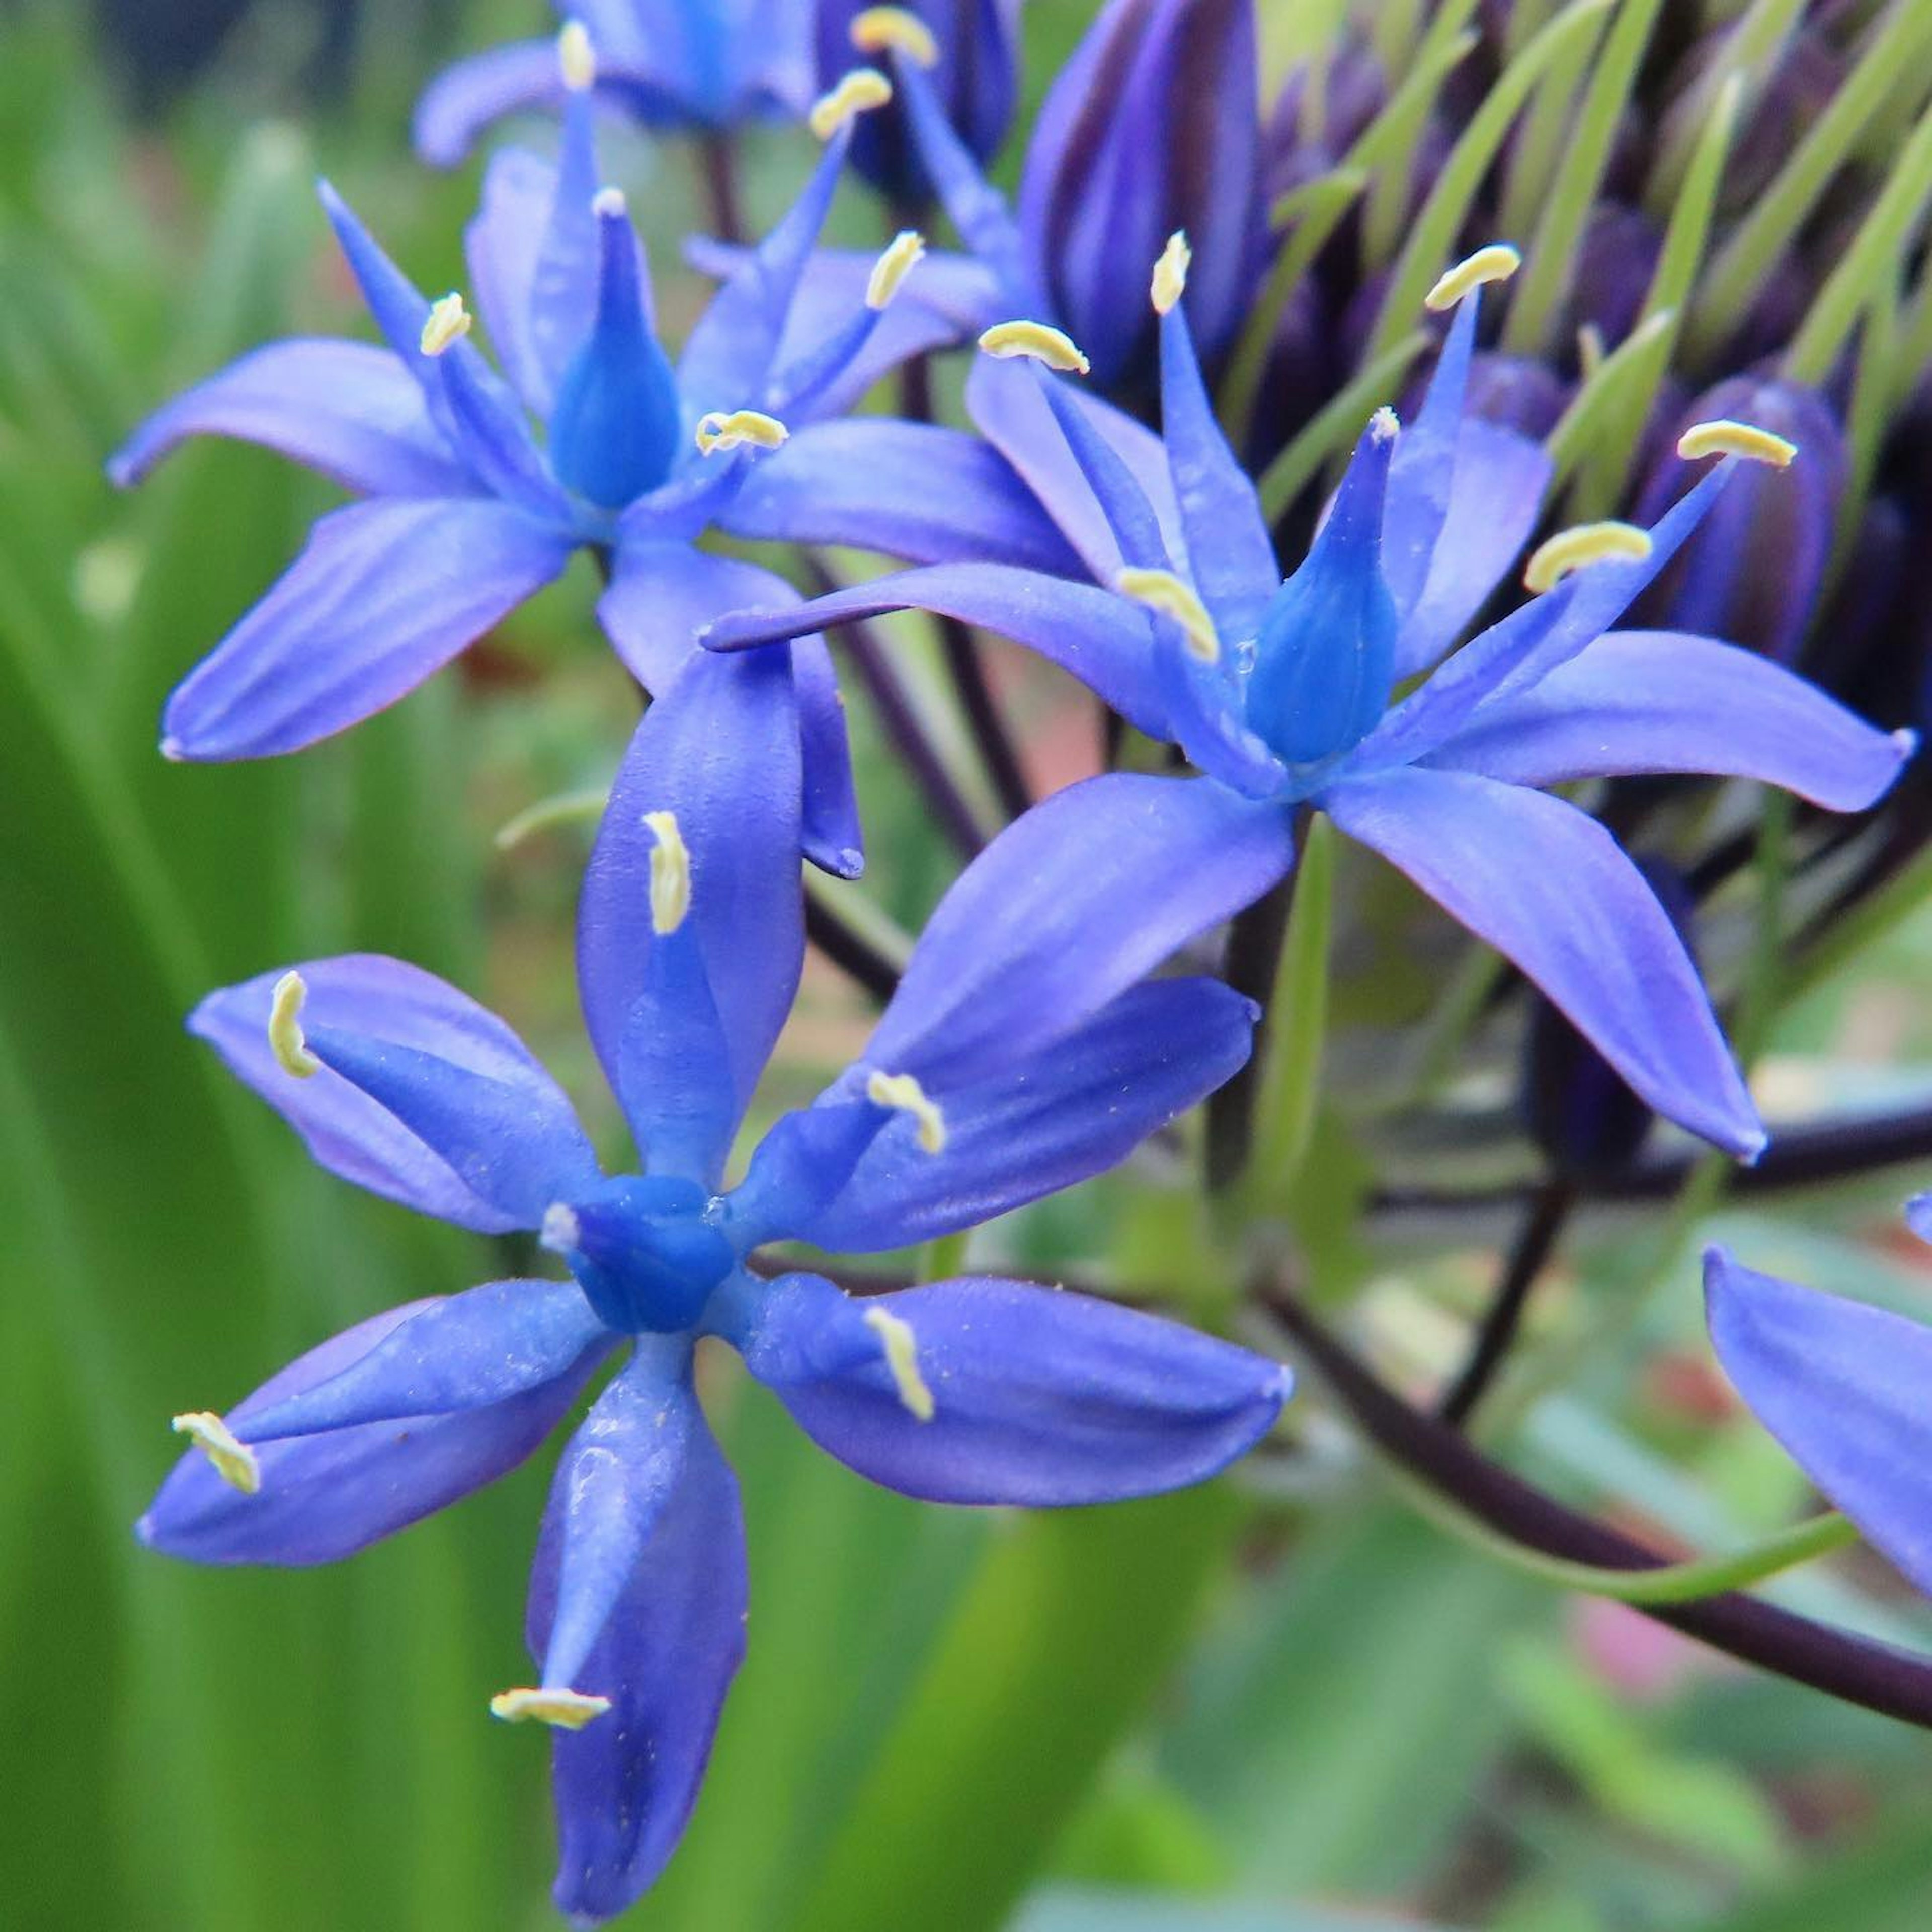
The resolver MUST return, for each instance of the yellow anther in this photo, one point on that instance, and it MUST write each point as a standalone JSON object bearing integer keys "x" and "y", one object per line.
{"x": 234, "y": 1461}
{"x": 729, "y": 429}
{"x": 862, "y": 90}
{"x": 577, "y": 57}
{"x": 285, "y": 1031}
{"x": 878, "y": 30}
{"x": 893, "y": 266}
{"x": 1173, "y": 597}
{"x": 1724, "y": 437}
{"x": 1384, "y": 425}
{"x": 1495, "y": 263}
{"x": 1586, "y": 543}
{"x": 1170, "y": 273}
{"x": 671, "y": 872}
{"x": 449, "y": 322}
{"x": 1053, "y": 347}
{"x": 902, "y": 1350}
{"x": 568, "y": 1710}
{"x": 903, "y": 1091}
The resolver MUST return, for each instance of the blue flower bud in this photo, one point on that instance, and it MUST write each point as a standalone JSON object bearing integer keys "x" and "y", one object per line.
{"x": 1153, "y": 126}
{"x": 976, "y": 78}
{"x": 642, "y": 1252}
{"x": 616, "y": 426}
{"x": 1325, "y": 658}
{"x": 1753, "y": 572}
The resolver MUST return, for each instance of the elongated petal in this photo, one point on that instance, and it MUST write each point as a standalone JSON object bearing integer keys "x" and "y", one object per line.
{"x": 1549, "y": 889}
{"x": 674, "y": 1064}
{"x": 1843, "y": 1387}
{"x": 347, "y": 1130}
{"x": 1068, "y": 907}
{"x": 501, "y": 245}
{"x": 466, "y": 98}
{"x": 384, "y": 593}
{"x": 1037, "y": 1397}
{"x": 625, "y": 1784}
{"x": 1656, "y": 701}
{"x": 1103, "y": 641}
{"x": 721, "y": 753}
{"x": 958, "y": 288}
{"x": 348, "y": 409}
{"x": 661, "y": 595}
{"x": 326, "y": 1496}
{"x": 835, "y": 841}
{"x": 918, "y": 490}
{"x": 1074, "y": 1109}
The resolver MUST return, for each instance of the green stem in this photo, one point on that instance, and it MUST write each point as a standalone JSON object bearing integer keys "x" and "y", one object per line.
{"x": 1335, "y": 427}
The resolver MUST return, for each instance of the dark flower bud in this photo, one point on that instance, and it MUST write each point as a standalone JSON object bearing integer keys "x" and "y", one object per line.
{"x": 1753, "y": 572}
{"x": 976, "y": 78}
{"x": 1517, "y": 392}
{"x": 1614, "y": 266}
{"x": 1153, "y": 126}
{"x": 1315, "y": 122}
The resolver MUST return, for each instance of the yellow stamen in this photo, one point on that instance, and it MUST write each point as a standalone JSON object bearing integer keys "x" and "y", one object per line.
{"x": 671, "y": 872}
{"x": 862, "y": 90}
{"x": 577, "y": 57}
{"x": 903, "y": 1091}
{"x": 1586, "y": 543}
{"x": 568, "y": 1710}
{"x": 1724, "y": 437}
{"x": 1056, "y": 349}
{"x": 1170, "y": 273}
{"x": 234, "y": 1461}
{"x": 893, "y": 267}
{"x": 449, "y": 322}
{"x": 727, "y": 430}
{"x": 1161, "y": 590}
{"x": 285, "y": 1033}
{"x": 1495, "y": 263}
{"x": 878, "y": 30}
{"x": 902, "y": 1350}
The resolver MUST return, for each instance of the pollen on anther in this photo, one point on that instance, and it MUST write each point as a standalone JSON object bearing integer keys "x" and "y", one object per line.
{"x": 1384, "y": 425}
{"x": 1170, "y": 273}
{"x": 1037, "y": 339}
{"x": 447, "y": 322}
{"x": 878, "y": 30}
{"x": 577, "y": 57}
{"x": 720, "y": 430}
{"x": 901, "y": 1352}
{"x": 671, "y": 872}
{"x": 1174, "y": 597}
{"x": 1585, "y": 544}
{"x": 234, "y": 1461}
{"x": 565, "y": 1710}
{"x": 1496, "y": 262}
{"x": 608, "y": 204}
{"x": 286, "y": 1039}
{"x": 893, "y": 267}
{"x": 903, "y": 1092}
{"x": 862, "y": 90}
{"x": 1722, "y": 436}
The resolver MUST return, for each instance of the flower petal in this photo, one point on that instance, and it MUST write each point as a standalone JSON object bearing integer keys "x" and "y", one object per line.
{"x": 348, "y": 409}
{"x": 918, "y": 490}
{"x": 385, "y": 593}
{"x": 1075, "y": 1109}
{"x": 721, "y": 752}
{"x": 1038, "y": 1396}
{"x": 469, "y": 96}
{"x": 625, "y": 1784}
{"x": 661, "y": 595}
{"x": 1658, "y": 701}
{"x": 326, "y": 1496}
{"x": 1549, "y": 888}
{"x": 348, "y": 1131}
{"x": 1843, "y": 1387}
{"x": 835, "y": 841}
{"x": 1069, "y": 906}
{"x": 501, "y": 245}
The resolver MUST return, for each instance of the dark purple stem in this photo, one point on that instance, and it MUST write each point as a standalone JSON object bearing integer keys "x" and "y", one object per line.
{"x": 717, "y": 154}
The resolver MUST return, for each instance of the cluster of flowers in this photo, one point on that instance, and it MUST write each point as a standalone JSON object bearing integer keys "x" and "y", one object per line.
{"x": 1027, "y": 1046}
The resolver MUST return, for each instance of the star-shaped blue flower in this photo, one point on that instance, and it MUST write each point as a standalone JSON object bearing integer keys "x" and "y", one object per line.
{"x": 1277, "y": 691}
{"x": 1025, "y": 1051}
{"x": 465, "y": 514}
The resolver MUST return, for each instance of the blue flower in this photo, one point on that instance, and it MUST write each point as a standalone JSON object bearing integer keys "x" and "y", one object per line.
{"x": 1843, "y": 1386}
{"x": 702, "y": 66}
{"x": 466, "y": 515}
{"x": 1277, "y": 690}
{"x": 1025, "y": 1051}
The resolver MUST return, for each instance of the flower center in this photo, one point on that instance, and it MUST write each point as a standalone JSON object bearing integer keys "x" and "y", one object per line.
{"x": 642, "y": 1250}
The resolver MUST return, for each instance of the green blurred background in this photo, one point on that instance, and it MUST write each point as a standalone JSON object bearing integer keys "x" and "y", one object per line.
{"x": 1282, "y": 1703}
